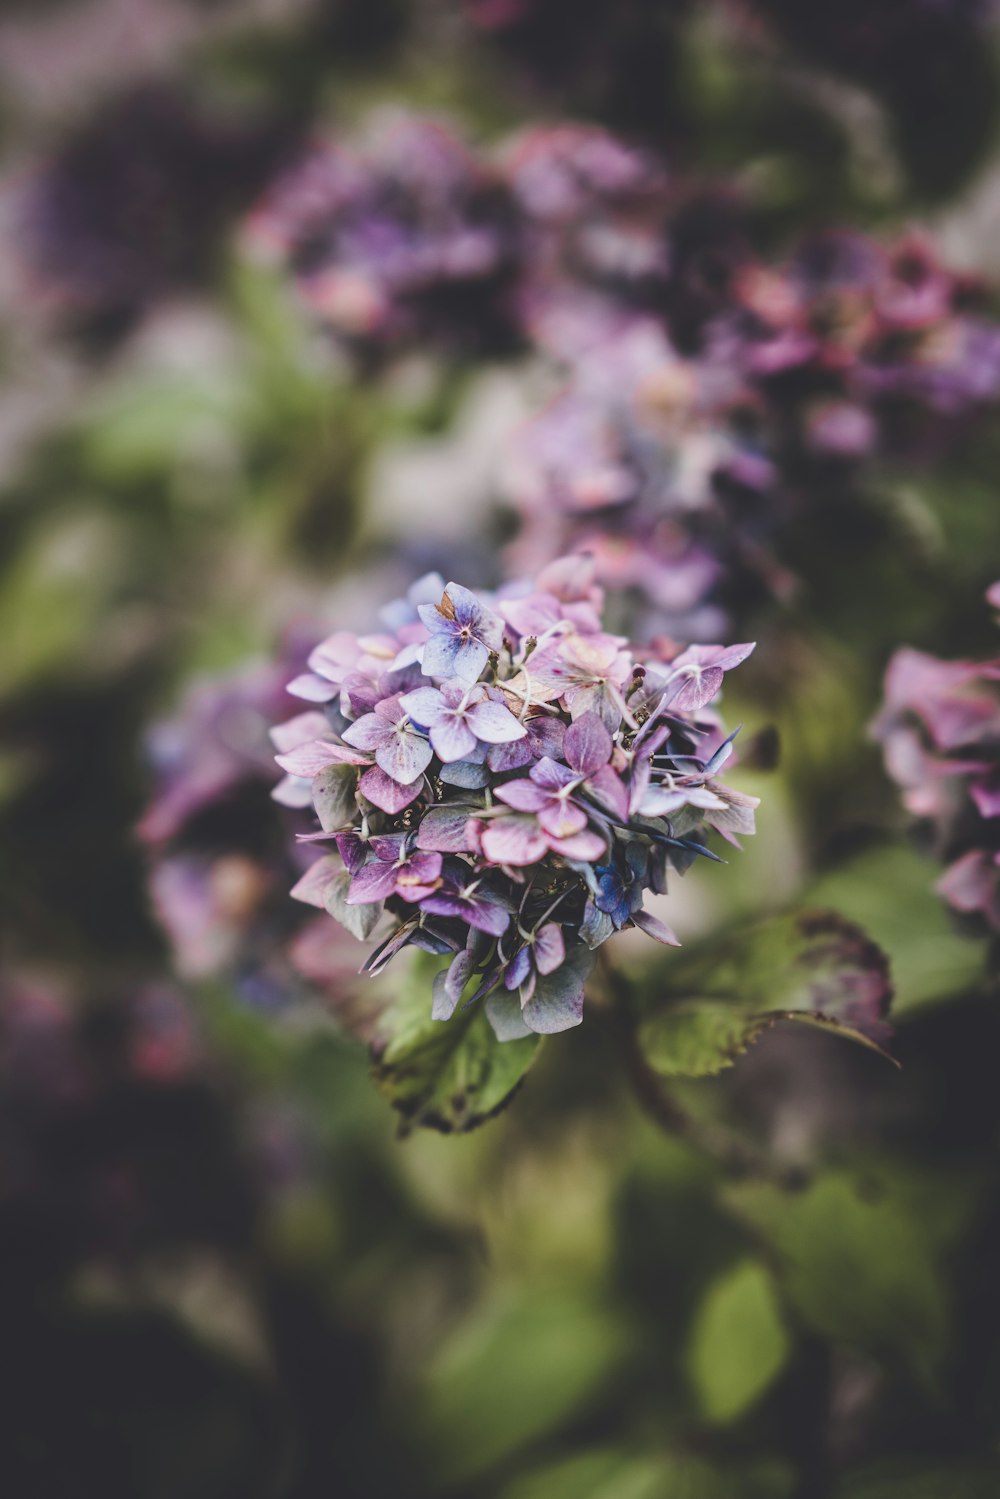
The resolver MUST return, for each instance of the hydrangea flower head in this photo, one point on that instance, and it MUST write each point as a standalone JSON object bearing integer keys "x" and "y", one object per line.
{"x": 504, "y": 782}
{"x": 939, "y": 728}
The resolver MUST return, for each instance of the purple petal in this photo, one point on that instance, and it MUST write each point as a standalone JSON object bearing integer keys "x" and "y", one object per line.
{"x": 588, "y": 745}
{"x": 375, "y": 882}
{"x": 551, "y": 775}
{"x": 469, "y": 659}
{"x": 452, "y": 738}
{"x": 607, "y": 788}
{"x": 385, "y": 793}
{"x": 487, "y": 916}
{"x": 523, "y": 795}
{"x": 292, "y": 791}
{"x": 404, "y": 758}
{"x": 470, "y": 613}
{"x": 419, "y": 876}
{"x": 655, "y": 928}
{"x": 369, "y": 732}
{"x": 424, "y": 706}
{"x": 518, "y": 968}
{"x": 438, "y": 656}
{"x": 550, "y": 949}
{"x": 494, "y": 723}
{"x": 442, "y": 830}
{"x": 388, "y": 846}
{"x": 353, "y": 851}
{"x": 699, "y": 688}
{"x": 514, "y": 840}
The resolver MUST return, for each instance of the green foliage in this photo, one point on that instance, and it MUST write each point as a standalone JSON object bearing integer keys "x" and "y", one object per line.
{"x": 519, "y": 1370}
{"x": 859, "y": 1267}
{"x": 813, "y": 967}
{"x": 611, "y": 1474}
{"x": 449, "y": 1075}
{"x": 739, "y": 1343}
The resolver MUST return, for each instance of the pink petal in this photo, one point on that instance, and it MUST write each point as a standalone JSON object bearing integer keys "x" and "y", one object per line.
{"x": 561, "y": 819}
{"x": 316, "y": 881}
{"x": 383, "y": 792}
{"x": 312, "y": 688}
{"x": 309, "y": 759}
{"x": 369, "y": 732}
{"x": 655, "y": 928}
{"x": 608, "y": 789}
{"x": 523, "y": 795}
{"x": 443, "y": 829}
{"x": 298, "y": 730}
{"x": 585, "y": 848}
{"x": 513, "y": 840}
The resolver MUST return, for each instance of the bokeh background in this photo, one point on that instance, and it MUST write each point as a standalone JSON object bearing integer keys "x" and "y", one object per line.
{"x": 223, "y": 1272}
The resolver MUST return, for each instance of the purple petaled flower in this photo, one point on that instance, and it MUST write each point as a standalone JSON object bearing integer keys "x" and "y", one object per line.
{"x": 397, "y": 869}
{"x": 460, "y": 719}
{"x": 531, "y": 782}
{"x": 939, "y": 728}
{"x": 463, "y": 633}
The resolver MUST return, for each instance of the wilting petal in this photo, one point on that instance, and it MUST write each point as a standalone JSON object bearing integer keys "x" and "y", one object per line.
{"x": 468, "y": 775}
{"x": 514, "y": 840}
{"x": 385, "y": 793}
{"x": 293, "y": 791}
{"x": 353, "y": 851}
{"x": 318, "y": 879}
{"x": 443, "y": 830}
{"x": 557, "y": 1003}
{"x": 587, "y": 746}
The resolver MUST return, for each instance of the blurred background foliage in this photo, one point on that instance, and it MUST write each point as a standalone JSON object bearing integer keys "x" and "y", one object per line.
{"x": 222, "y": 1272}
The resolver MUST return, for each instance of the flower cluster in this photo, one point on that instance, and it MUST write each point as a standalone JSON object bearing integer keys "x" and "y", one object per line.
{"x": 405, "y": 236}
{"x": 217, "y": 847}
{"x": 504, "y": 781}
{"x": 940, "y": 732}
{"x": 699, "y": 396}
{"x": 134, "y": 205}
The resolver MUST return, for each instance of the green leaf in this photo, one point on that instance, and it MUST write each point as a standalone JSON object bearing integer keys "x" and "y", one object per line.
{"x": 518, "y": 1368}
{"x": 739, "y": 1343}
{"x": 919, "y": 1480}
{"x": 859, "y": 1268}
{"x": 609, "y": 1473}
{"x": 892, "y": 891}
{"x": 813, "y": 967}
{"x": 333, "y": 796}
{"x": 360, "y": 921}
{"x": 447, "y": 1075}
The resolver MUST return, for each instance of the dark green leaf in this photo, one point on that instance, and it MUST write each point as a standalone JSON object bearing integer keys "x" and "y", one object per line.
{"x": 447, "y": 1075}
